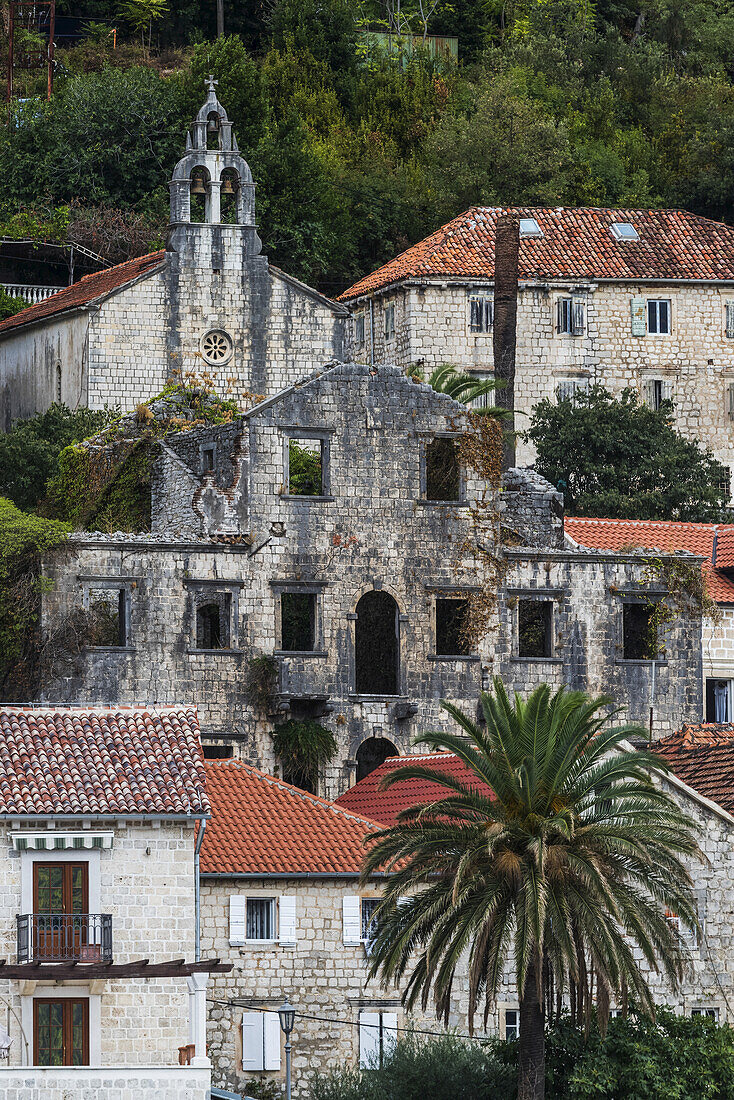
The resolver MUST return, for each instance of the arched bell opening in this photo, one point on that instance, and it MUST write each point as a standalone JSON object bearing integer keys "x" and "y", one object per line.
{"x": 229, "y": 197}
{"x": 213, "y": 131}
{"x": 373, "y": 752}
{"x": 200, "y": 195}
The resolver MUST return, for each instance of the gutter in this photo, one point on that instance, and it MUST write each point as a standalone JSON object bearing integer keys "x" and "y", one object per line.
{"x": 280, "y": 875}
{"x": 197, "y": 890}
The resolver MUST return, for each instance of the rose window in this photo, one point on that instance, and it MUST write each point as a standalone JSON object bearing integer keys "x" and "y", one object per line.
{"x": 216, "y": 347}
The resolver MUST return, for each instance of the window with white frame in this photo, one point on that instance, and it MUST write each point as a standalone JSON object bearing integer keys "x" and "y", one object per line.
{"x": 688, "y": 935}
{"x": 260, "y": 1041}
{"x": 710, "y": 1013}
{"x": 368, "y": 909}
{"x": 625, "y": 231}
{"x": 529, "y": 228}
{"x": 614, "y": 1013}
{"x": 658, "y": 316}
{"x": 719, "y": 696}
{"x": 359, "y": 328}
{"x": 512, "y": 1023}
{"x": 483, "y": 400}
{"x": 260, "y": 919}
{"x": 357, "y": 918}
{"x": 389, "y": 313}
{"x": 655, "y": 391}
{"x": 481, "y": 314}
{"x": 378, "y": 1034}
{"x": 567, "y": 388}
{"x": 254, "y": 919}
{"x": 570, "y": 316}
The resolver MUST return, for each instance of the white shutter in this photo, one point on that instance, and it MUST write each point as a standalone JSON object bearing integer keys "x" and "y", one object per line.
{"x": 252, "y": 1041}
{"x": 648, "y": 393}
{"x": 389, "y": 1032}
{"x": 369, "y": 1040}
{"x": 577, "y": 317}
{"x": 237, "y": 920}
{"x": 287, "y": 920}
{"x": 351, "y": 920}
{"x": 730, "y": 320}
{"x": 666, "y": 391}
{"x": 271, "y": 1040}
{"x": 638, "y": 316}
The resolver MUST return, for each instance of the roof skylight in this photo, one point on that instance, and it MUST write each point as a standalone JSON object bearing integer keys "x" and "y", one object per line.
{"x": 625, "y": 231}
{"x": 530, "y": 228}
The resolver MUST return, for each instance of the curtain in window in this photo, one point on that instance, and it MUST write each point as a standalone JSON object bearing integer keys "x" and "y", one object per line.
{"x": 721, "y": 701}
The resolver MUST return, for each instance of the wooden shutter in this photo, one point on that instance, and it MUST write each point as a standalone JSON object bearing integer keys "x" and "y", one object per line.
{"x": 638, "y": 316}
{"x": 577, "y": 317}
{"x": 488, "y": 313}
{"x": 252, "y": 1041}
{"x": 287, "y": 920}
{"x": 351, "y": 920}
{"x": 389, "y": 1031}
{"x": 271, "y": 1040}
{"x": 559, "y": 315}
{"x": 237, "y": 920}
{"x": 369, "y": 1040}
{"x": 475, "y": 314}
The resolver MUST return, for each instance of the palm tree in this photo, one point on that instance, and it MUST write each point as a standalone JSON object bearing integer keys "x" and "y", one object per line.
{"x": 557, "y": 856}
{"x": 462, "y": 386}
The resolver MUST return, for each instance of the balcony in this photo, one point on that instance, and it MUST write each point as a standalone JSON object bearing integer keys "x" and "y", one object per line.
{"x": 64, "y": 937}
{"x": 32, "y": 294}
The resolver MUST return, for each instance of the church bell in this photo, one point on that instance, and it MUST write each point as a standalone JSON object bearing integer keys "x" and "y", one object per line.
{"x": 228, "y": 187}
{"x": 197, "y": 186}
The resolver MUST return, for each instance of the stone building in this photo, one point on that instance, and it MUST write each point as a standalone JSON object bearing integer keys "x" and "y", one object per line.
{"x": 358, "y": 587}
{"x": 209, "y": 303}
{"x": 99, "y": 811}
{"x": 626, "y": 298}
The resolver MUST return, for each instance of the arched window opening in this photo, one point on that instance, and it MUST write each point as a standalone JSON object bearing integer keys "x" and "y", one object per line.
{"x": 373, "y": 752}
{"x": 212, "y": 625}
{"x": 199, "y": 195}
{"x": 377, "y": 652}
{"x": 229, "y": 195}
{"x": 213, "y": 131}
{"x": 58, "y": 383}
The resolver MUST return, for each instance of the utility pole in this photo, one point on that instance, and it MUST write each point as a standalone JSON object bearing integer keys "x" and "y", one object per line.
{"x": 220, "y": 18}
{"x": 504, "y": 333}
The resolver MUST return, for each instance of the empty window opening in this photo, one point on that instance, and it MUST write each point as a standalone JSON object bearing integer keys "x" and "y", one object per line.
{"x": 625, "y": 231}
{"x": 658, "y": 315}
{"x": 529, "y": 228}
{"x": 389, "y": 321}
{"x": 443, "y": 473}
{"x": 260, "y": 920}
{"x": 481, "y": 314}
{"x": 108, "y": 614}
{"x": 640, "y": 641}
{"x": 534, "y": 628}
{"x": 373, "y": 752}
{"x": 377, "y": 651}
{"x": 212, "y": 130}
{"x": 305, "y": 468}
{"x": 512, "y": 1023}
{"x": 451, "y": 627}
{"x": 359, "y": 328}
{"x": 228, "y": 196}
{"x": 298, "y": 621}
{"x": 212, "y": 623}
{"x": 719, "y": 700}
{"x": 217, "y": 752}
{"x": 656, "y": 392}
{"x": 58, "y": 383}
{"x": 199, "y": 195}
{"x": 207, "y": 460}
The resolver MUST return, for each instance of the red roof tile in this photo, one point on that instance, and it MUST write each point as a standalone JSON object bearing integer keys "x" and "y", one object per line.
{"x": 703, "y": 757}
{"x": 89, "y": 289}
{"x": 697, "y": 538}
{"x": 261, "y": 825}
{"x": 366, "y": 797}
{"x": 577, "y": 243}
{"x": 57, "y": 760}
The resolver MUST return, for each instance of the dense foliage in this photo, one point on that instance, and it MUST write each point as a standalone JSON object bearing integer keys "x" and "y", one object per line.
{"x": 358, "y": 155}
{"x": 678, "y": 1057}
{"x": 617, "y": 457}
{"x": 303, "y": 748}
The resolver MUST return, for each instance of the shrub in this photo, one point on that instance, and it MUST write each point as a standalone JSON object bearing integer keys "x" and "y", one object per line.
{"x": 303, "y": 749}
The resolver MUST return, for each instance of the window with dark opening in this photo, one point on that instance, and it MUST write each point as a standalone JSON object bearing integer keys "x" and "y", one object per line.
{"x": 658, "y": 315}
{"x": 297, "y": 621}
{"x": 212, "y": 623}
{"x": 639, "y": 640}
{"x": 376, "y": 645}
{"x": 305, "y": 468}
{"x": 451, "y": 623}
{"x": 108, "y": 618}
{"x": 199, "y": 195}
{"x": 534, "y": 628}
{"x": 443, "y": 474}
{"x": 217, "y": 752}
{"x": 373, "y": 752}
{"x": 58, "y": 383}
{"x": 718, "y": 700}
{"x": 207, "y": 460}
{"x": 228, "y": 194}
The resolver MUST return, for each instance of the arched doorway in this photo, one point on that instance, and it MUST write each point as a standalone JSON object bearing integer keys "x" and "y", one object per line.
{"x": 376, "y": 648}
{"x": 373, "y": 752}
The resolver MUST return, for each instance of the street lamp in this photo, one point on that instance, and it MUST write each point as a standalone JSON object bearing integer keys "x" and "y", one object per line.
{"x": 287, "y": 1014}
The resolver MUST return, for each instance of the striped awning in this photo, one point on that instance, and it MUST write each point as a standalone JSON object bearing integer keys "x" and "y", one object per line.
{"x": 54, "y": 842}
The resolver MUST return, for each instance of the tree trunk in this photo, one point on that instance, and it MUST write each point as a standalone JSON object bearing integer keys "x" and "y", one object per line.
{"x": 504, "y": 334}
{"x": 220, "y": 18}
{"x": 531, "y": 1065}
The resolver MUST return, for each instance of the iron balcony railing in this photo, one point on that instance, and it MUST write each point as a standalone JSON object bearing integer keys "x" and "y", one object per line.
{"x": 64, "y": 937}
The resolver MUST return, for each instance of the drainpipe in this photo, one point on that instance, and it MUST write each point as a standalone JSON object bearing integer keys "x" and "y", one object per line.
{"x": 372, "y": 332}
{"x": 197, "y": 889}
{"x": 504, "y": 331}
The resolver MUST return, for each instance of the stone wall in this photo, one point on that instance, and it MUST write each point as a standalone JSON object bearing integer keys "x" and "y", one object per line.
{"x": 29, "y": 363}
{"x": 154, "y": 1083}
{"x": 697, "y": 358}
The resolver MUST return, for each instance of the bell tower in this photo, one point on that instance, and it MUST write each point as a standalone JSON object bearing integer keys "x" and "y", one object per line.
{"x": 212, "y": 220}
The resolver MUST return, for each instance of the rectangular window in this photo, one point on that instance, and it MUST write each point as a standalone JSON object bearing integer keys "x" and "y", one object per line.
{"x": 213, "y": 621}
{"x": 451, "y": 621}
{"x": 61, "y": 1032}
{"x": 512, "y": 1023}
{"x": 208, "y": 459}
{"x": 534, "y": 628}
{"x": 483, "y": 400}
{"x": 305, "y": 467}
{"x": 108, "y": 627}
{"x": 443, "y": 473}
{"x": 260, "y": 1041}
{"x": 298, "y": 622}
{"x": 567, "y": 388}
{"x": 481, "y": 314}
{"x": 656, "y": 391}
{"x": 729, "y": 320}
{"x": 710, "y": 1013}
{"x": 570, "y": 316}
{"x": 389, "y": 321}
{"x": 730, "y": 400}
{"x": 378, "y": 1033}
{"x": 688, "y": 935}
{"x": 639, "y": 632}
{"x": 218, "y": 752}
{"x": 260, "y": 919}
{"x": 368, "y": 908}
{"x": 658, "y": 316}
{"x": 359, "y": 328}
{"x": 719, "y": 700}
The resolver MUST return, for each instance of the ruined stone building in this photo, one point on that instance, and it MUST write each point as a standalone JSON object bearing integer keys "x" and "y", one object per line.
{"x": 625, "y": 298}
{"x": 209, "y": 303}
{"x": 340, "y": 553}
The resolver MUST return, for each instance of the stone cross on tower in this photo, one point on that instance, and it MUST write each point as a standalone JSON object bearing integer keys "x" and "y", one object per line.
{"x": 212, "y": 83}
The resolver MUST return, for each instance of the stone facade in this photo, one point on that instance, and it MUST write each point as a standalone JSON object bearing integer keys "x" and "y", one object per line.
{"x": 695, "y": 360}
{"x": 245, "y": 544}
{"x": 120, "y": 347}
{"x": 153, "y": 1083}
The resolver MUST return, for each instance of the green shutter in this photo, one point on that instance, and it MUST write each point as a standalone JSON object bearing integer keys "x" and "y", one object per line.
{"x": 639, "y": 320}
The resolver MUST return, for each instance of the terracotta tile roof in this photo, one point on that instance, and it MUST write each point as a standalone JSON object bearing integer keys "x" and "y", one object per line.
{"x": 703, "y": 757}
{"x": 89, "y": 289}
{"x": 261, "y": 825}
{"x": 577, "y": 243}
{"x": 367, "y": 798}
{"x": 724, "y": 556}
{"x": 698, "y": 538}
{"x": 99, "y": 760}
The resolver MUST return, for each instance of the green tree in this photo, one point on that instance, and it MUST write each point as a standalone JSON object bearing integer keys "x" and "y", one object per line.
{"x": 141, "y": 14}
{"x": 622, "y": 459}
{"x": 462, "y": 386}
{"x": 561, "y": 871}
{"x": 239, "y": 87}
{"x": 304, "y": 748}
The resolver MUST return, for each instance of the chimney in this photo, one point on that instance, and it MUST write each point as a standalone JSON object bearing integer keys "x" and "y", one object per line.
{"x": 504, "y": 335}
